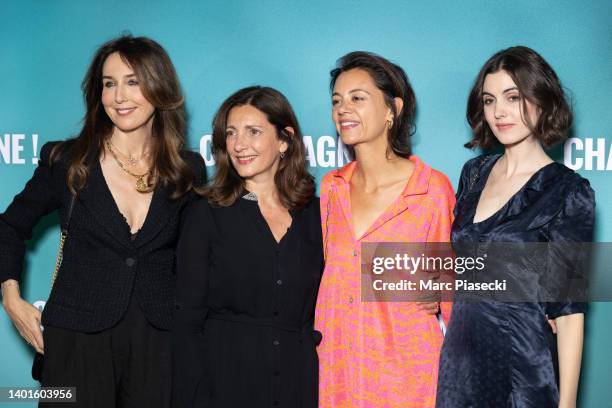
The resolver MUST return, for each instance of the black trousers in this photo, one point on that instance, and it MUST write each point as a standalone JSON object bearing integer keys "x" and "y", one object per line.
{"x": 128, "y": 365}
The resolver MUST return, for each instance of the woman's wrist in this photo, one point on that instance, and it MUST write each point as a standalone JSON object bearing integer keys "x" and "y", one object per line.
{"x": 10, "y": 290}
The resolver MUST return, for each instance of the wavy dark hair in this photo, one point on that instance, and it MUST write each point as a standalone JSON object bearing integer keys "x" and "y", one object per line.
{"x": 295, "y": 185}
{"x": 160, "y": 86}
{"x": 391, "y": 79}
{"x": 537, "y": 83}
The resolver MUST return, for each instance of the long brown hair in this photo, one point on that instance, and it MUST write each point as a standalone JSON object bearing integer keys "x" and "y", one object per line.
{"x": 160, "y": 86}
{"x": 295, "y": 185}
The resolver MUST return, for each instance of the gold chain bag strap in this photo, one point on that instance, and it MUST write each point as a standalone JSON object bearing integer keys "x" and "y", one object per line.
{"x": 63, "y": 236}
{"x": 39, "y": 359}
{"x": 60, "y": 256}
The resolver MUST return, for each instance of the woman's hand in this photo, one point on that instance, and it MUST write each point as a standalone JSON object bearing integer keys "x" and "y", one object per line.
{"x": 25, "y": 317}
{"x": 431, "y": 308}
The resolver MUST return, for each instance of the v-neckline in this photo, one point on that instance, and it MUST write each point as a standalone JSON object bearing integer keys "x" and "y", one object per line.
{"x": 512, "y": 197}
{"x": 387, "y": 209}
{"x": 119, "y": 213}
{"x": 266, "y": 227}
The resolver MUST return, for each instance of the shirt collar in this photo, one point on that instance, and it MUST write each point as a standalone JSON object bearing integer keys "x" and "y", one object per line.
{"x": 417, "y": 184}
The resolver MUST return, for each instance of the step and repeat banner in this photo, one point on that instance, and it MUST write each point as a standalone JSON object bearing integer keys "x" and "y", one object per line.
{"x": 221, "y": 46}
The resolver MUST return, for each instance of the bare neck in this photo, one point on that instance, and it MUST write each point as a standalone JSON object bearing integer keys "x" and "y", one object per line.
{"x": 528, "y": 156}
{"x": 266, "y": 192}
{"x": 377, "y": 167}
{"x": 133, "y": 143}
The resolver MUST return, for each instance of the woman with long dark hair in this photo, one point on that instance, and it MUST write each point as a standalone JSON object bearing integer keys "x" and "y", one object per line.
{"x": 499, "y": 350}
{"x": 119, "y": 186}
{"x": 249, "y": 263}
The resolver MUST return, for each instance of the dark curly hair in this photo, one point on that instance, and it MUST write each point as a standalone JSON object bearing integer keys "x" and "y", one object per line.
{"x": 295, "y": 185}
{"x": 391, "y": 79}
{"x": 537, "y": 83}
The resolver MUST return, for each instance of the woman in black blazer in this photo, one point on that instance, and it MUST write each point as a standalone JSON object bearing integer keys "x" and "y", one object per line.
{"x": 125, "y": 179}
{"x": 249, "y": 263}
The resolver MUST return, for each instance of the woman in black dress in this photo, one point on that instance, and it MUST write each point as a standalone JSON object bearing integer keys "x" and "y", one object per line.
{"x": 121, "y": 184}
{"x": 249, "y": 263}
{"x": 504, "y": 354}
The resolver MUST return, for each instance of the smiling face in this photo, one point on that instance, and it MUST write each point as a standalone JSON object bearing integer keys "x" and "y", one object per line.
{"x": 122, "y": 97}
{"x": 359, "y": 109}
{"x": 252, "y": 143}
{"x": 503, "y": 109}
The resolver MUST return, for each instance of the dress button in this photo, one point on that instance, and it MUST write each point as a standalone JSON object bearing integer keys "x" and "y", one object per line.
{"x": 354, "y": 252}
{"x": 350, "y": 299}
{"x": 276, "y": 403}
{"x": 481, "y": 238}
{"x": 130, "y": 262}
{"x": 276, "y": 342}
{"x": 275, "y": 313}
{"x": 279, "y": 282}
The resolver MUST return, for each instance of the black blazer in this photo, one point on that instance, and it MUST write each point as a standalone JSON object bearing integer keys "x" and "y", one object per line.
{"x": 103, "y": 263}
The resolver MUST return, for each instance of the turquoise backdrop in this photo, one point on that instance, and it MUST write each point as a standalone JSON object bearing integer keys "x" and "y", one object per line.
{"x": 221, "y": 46}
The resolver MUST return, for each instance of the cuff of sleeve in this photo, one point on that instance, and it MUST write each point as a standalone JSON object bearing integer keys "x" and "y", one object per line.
{"x": 9, "y": 272}
{"x": 555, "y": 310}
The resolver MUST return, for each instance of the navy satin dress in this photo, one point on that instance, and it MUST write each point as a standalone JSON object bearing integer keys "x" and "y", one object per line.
{"x": 503, "y": 354}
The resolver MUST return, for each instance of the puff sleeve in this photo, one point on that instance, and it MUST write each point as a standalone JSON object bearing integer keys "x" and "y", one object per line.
{"x": 569, "y": 234}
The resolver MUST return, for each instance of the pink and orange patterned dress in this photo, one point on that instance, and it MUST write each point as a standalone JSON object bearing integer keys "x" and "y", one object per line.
{"x": 378, "y": 354}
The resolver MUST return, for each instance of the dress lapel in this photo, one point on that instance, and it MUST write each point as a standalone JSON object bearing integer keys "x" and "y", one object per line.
{"x": 342, "y": 190}
{"x": 418, "y": 184}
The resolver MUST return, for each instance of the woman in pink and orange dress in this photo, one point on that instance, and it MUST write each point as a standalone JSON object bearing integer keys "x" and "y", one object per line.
{"x": 377, "y": 354}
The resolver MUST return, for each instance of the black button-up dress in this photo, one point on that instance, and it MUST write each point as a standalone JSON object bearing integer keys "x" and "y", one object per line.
{"x": 244, "y": 315}
{"x": 503, "y": 354}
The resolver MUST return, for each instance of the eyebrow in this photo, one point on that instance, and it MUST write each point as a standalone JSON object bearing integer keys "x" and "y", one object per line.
{"x": 247, "y": 126}
{"x": 110, "y": 77}
{"x": 352, "y": 91}
{"x": 514, "y": 88}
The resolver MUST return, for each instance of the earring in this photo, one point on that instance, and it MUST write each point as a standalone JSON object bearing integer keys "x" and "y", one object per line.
{"x": 282, "y": 155}
{"x": 390, "y": 124}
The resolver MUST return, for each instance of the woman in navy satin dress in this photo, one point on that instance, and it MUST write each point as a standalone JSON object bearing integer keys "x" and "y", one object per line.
{"x": 504, "y": 354}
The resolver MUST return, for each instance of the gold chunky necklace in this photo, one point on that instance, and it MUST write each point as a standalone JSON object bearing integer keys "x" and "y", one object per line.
{"x": 141, "y": 183}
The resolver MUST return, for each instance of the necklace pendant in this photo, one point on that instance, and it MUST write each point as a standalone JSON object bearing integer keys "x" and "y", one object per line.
{"x": 132, "y": 160}
{"x": 141, "y": 185}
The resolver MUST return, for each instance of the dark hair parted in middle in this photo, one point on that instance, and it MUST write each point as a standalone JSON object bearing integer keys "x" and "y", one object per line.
{"x": 393, "y": 82}
{"x": 537, "y": 83}
{"x": 295, "y": 185}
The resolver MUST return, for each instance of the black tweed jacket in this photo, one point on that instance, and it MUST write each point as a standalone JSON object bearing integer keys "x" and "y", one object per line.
{"x": 104, "y": 265}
